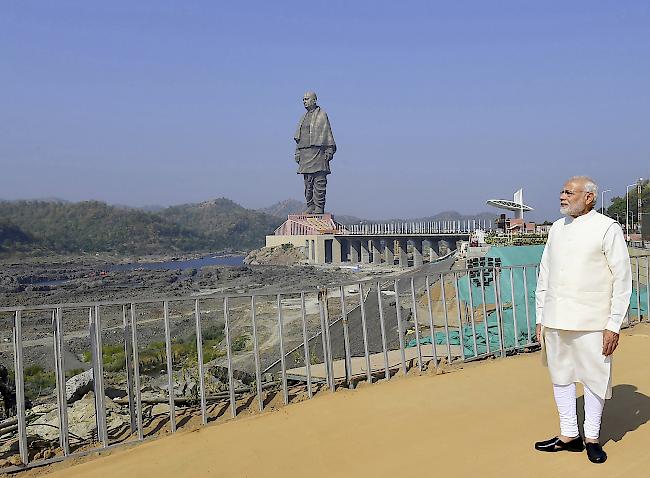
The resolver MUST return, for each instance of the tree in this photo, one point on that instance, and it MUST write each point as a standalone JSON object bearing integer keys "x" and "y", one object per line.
{"x": 617, "y": 208}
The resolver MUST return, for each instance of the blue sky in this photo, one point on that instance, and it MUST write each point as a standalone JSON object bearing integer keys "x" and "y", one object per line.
{"x": 434, "y": 105}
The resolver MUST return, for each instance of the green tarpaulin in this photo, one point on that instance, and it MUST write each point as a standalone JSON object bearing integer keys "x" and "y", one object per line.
{"x": 509, "y": 256}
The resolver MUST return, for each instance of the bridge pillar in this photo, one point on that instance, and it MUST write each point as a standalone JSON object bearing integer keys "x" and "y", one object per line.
{"x": 376, "y": 251}
{"x": 417, "y": 252}
{"x": 402, "y": 257}
{"x": 433, "y": 250}
{"x": 355, "y": 251}
{"x": 389, "y": 251}
{"x": 337, "y": 251}
{"x": 443, "y": 247}
{"x": 365, "y": 251}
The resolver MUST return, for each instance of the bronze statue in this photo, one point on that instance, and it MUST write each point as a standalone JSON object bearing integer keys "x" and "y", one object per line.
{"x": 315, "y": 148}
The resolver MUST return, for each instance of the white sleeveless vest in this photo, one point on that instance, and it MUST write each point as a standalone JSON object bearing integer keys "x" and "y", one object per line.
{"x": 580, "y": 282}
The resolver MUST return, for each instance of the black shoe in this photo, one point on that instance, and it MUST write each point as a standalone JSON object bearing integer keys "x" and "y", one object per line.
{"x": 595, "y": 453}
{"x": 555, "y": 444}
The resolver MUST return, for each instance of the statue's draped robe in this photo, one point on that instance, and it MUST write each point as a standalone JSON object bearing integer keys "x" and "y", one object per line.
{"x": 313, "y": 138}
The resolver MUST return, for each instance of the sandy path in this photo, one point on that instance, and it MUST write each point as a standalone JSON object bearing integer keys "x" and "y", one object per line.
{"x": 480, "y": 421}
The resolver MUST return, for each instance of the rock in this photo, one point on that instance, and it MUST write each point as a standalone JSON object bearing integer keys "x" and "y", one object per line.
{"x": 221, "y": 373}
{"x": 285, "y": 254}
{"x": 160, "y": 409}
{"x": 43, "y": 409}
{"x": 81, "y": 419}
{"x": 48, "y": 453}
{"x": 9, "y": 447}
{"x": 79, "y": 385}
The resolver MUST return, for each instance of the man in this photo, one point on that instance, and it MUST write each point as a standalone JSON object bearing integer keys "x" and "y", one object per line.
{"x": 315, "y": 148}
{"x": 583, "y": 292}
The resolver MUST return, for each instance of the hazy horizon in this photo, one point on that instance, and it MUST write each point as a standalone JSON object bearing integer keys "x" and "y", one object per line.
{"x": 162, "y": 206}
{"x": 434, "y": 107}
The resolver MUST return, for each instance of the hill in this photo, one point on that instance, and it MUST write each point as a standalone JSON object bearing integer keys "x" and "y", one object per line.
{"x": 223, "y": 222}
{"x": 93, "y": 226}
{"x": 283, "y": 208}
{"x": 12, "y": 237}
{"x": 292, "y": 206}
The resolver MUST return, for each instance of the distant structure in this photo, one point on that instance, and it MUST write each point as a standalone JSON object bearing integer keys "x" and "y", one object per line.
{"x": 325, "y": 241}
{"x": 516, "y": 224}
{"x": 517, "y": 204}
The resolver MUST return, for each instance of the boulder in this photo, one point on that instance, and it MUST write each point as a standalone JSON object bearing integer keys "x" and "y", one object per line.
{"x": 81, "y": 419}
{"x": 284, "y": 255}
{"x": 221, "y": 373}
{"x": 160, "y": 409}
{"x": 79, "y": 385}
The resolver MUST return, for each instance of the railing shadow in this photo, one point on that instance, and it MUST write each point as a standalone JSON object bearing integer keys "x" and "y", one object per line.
{"x": 627, "y": 410}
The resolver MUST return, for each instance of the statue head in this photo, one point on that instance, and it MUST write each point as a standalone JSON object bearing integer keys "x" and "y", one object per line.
{"x": 309, "y": 100}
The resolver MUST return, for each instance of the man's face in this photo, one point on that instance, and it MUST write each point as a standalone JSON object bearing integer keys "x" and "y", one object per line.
{"x": 309, "y": 101}
{"x": 574, "y": 200}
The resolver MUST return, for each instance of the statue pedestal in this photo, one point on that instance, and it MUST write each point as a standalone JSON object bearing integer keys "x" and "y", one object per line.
{"x": 309, "y": 224}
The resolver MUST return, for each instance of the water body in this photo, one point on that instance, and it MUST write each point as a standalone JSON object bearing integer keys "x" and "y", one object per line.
{"x": 181, "y": 265}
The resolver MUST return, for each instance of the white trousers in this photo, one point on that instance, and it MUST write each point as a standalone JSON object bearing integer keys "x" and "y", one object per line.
{"x": 565, "y": 398}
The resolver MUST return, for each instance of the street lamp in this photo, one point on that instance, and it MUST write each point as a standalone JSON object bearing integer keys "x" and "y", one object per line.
{"x": 602, "y": 200}
{"x": 627, "y": 210}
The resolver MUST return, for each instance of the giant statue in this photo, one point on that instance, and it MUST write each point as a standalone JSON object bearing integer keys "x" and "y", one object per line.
{"x": 315, "y": 148}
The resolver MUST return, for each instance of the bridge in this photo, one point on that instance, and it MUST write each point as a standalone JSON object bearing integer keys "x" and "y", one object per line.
{"x": 325, "y": 241}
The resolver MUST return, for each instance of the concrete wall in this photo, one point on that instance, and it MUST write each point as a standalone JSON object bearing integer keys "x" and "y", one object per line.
{"x": 362, "y": 248}
{"x": 313, "y": 245}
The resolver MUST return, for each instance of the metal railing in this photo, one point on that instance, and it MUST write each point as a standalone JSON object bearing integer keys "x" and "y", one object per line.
{"x": 419, "y": 227}
{"x": 266, "y": 349}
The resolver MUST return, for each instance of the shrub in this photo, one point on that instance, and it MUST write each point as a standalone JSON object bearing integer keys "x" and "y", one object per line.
{"x": 38, "y": 382}
{"x": 239, "y": 343}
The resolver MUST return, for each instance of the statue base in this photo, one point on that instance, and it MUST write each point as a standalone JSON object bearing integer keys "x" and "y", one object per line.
{"x": 309, "y": 224}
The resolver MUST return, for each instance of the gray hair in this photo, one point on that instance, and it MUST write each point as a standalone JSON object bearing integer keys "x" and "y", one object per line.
{"x": 590, "y": 186}
{"x": 311, "y": 93}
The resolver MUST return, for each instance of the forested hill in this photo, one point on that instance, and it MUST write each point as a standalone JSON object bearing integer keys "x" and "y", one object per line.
{"x": 93, "y": 226}
{"x": 12, "y": 237}
{"x": 224, "y": 221}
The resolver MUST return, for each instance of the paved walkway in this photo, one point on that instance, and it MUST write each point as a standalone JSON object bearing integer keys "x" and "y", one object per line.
{"x": 480, "y": 421}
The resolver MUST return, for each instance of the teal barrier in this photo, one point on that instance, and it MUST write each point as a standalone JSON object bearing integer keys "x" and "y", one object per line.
{"x": 510, "y": 256}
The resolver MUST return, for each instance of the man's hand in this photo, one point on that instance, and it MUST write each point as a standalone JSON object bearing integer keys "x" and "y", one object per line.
{"x": 328, "y": 154}
{"x": 538, "y": 333}
{"x": 297, "y": 157}
{"x": 610, "y": 342}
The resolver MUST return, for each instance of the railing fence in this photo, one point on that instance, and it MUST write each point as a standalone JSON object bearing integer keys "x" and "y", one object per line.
{"x": 163, "y": 362}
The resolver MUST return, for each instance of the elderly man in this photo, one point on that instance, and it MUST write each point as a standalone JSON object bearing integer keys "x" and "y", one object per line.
{"x": 583, "y": 292}
{"x": 315, "y": 148}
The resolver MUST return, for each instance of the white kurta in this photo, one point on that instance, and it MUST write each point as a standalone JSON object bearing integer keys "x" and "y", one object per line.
{"x": 576, "y": 355}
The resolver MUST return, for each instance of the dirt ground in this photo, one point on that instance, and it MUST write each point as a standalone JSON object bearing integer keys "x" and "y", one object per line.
{"x": 478, "y": 421}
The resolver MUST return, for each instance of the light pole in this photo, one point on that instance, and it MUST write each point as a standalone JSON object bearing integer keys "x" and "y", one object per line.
{"x": 639, "y": 204}
{"x": 627, "y": 211}
{"x": 602, "y": 200}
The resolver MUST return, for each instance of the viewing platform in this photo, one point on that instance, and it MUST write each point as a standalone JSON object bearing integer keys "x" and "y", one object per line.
{"x": 478, "y": 421}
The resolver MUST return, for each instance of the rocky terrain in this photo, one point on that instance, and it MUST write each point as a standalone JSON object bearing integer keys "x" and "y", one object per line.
{"x": 285, "y": 254}
{"x": 84, "y": 280}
